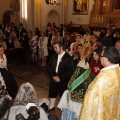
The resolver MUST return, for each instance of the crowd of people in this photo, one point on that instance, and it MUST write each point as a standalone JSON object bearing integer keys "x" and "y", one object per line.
{"x": 84, "y": 70}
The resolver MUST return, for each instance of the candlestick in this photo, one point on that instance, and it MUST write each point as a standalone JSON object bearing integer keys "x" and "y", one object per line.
{"x": 98, "y": 18}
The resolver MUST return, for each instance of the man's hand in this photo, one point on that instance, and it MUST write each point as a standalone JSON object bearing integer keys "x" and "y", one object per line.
{"x": 56, "y": 79}
{"x": 10, "y": 98}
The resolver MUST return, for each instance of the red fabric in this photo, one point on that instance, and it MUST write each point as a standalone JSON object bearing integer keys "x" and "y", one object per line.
{"x": 95, "y": 67}
{"x": 74, "y": 47}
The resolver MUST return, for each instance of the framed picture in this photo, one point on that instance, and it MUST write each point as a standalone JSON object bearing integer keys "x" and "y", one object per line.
{"x": 80, "y": 7}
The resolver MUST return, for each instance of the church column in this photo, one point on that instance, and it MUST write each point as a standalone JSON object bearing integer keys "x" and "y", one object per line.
{"x": 24, "y": 12}
{"x": 37, "y": 13}
{"x": 30, "y": 19}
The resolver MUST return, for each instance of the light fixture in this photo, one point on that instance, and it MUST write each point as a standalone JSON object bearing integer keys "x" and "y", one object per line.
{"x": 54, "y": 2}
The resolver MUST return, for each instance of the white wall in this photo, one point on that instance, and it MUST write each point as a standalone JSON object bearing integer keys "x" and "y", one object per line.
{"x": 47, "y": 8}
{"x": 78, "y": 19}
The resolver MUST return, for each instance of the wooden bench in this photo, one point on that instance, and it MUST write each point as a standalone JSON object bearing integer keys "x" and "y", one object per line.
{"x": 14, "y": 54}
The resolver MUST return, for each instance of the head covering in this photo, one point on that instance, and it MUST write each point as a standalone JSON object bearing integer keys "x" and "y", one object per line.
{"x": 85, "y": 52}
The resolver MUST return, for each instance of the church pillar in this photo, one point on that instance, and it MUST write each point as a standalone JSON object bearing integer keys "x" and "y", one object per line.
{"x": 30, "y": 15}
{"x": 25, "y": 13}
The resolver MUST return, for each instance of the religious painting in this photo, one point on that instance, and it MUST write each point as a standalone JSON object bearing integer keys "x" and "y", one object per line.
{"x": 80, "y": 7}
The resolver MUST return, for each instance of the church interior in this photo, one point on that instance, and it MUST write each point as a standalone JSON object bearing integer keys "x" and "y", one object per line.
{"x": 76, "y": 16}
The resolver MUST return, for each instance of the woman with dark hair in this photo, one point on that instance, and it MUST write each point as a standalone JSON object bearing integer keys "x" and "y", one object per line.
{"x": 73, "y": 46}
{"x": 25, "y": 47}
{"x": 95, "y": 65}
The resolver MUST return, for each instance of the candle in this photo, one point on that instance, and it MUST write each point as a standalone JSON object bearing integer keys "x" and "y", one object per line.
{"x": 98, "y": 18}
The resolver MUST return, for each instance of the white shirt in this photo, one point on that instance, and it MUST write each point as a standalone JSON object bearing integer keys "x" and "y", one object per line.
{"x": 59, "y": 60}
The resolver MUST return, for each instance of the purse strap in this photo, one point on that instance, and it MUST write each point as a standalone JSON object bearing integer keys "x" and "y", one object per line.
{"x": 8, "y": 114}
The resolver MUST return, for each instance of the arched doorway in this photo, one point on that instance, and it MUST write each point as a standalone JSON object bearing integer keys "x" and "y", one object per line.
{"x": 53, "y": 17}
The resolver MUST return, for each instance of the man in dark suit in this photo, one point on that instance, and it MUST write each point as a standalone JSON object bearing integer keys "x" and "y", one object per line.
{"x": 61, "y": 67}
{"x": 108, "y": 38}
{"x": 63, "y": 32}
{"x": 50, "y": 50}
{"x": 22, "y": 30}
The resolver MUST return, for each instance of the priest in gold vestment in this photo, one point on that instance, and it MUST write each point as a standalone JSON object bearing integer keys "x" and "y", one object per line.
{"x": 102, "y": 99}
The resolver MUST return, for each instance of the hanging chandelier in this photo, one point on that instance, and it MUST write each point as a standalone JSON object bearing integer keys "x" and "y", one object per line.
{"x": 54, "y": 2}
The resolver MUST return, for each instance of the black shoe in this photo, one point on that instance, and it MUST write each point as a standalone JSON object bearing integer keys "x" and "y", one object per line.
{"x": 52, "y": 109}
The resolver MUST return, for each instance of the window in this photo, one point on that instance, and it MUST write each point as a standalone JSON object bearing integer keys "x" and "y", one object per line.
{"x": 24, "y": 9}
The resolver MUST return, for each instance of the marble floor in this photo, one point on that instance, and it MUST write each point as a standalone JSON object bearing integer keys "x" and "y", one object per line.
{"x": 35, "y": 74}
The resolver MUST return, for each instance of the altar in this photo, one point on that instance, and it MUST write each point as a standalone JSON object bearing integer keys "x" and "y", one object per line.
{"x": 104, "y": 13}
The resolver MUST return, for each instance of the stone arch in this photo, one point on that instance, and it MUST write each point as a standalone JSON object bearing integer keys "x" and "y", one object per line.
{"x": 53, "y": 17}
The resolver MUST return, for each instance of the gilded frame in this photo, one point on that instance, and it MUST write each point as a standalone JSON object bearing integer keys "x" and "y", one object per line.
{"x": 80, "y": 7}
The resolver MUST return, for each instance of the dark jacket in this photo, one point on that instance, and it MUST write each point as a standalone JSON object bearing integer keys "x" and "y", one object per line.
{"x": 108, "y": 40}
{"x": 65, "y": 68}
